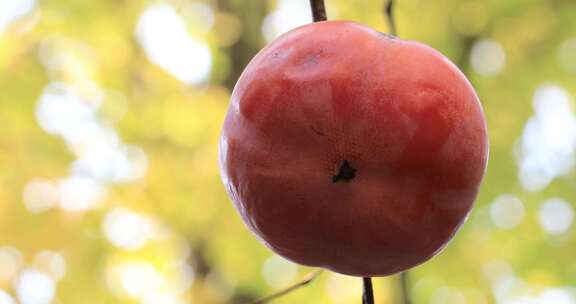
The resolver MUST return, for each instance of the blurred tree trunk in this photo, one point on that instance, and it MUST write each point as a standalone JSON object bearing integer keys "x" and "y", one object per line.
{"x": 251, "y": 15}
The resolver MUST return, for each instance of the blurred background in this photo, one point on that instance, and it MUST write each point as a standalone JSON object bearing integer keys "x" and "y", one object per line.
{"x": 110, "y": 113}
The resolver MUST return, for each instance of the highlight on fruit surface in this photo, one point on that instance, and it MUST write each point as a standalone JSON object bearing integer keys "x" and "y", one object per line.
{"x": 353, "y": 150}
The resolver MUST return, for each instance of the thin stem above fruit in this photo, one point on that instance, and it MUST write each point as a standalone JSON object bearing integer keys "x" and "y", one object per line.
{"x": 318, "y": 10}
{"x": 389, "y": 11}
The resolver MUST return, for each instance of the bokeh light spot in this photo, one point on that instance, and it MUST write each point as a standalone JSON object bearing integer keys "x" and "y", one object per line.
{"x": 507, "y": 211}
{"x": 199, "y": 16}
{"x": 496, "y": 269}
{"x": 110, "y": 163}
{"x": 556, "y": 216}
{"x": 11, "y": 262}
{"x": 135, "y": 279}
{"x": 126, "y": 229}
{"x": 11, "y": 10}
{"x": 279, "y": 272}
{"x": 50, "y": 262}
{"x": 547, "y": 147}
{"x": 35, "y": 287}
{"x": 288, "y": 15}
{"x": 80, "y": 194}
{"x": 6, "y": 298}
{"x": 61, "y": 112}
{"x": 556, "y": 296}
{"x": 40, "y": 195}
{"x": 343, "y": 289}
{"x": 164, "y": 37}
{"x": 487, "y": 57}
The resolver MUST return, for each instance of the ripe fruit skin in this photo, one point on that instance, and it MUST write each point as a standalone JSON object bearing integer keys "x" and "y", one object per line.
{"x": 331, "y": 97}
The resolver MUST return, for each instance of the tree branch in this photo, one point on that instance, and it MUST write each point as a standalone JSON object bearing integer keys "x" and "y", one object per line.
{"x": 368, "y": 294}
{"x": 406, "y": 299}
{"x": 389, "y": 12}
{"x": 305, "y": 281}
{"x": 318, "y": 10}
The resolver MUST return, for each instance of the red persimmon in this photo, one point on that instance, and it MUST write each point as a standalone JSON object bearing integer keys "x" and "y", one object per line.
{"x": 353, "y": 150}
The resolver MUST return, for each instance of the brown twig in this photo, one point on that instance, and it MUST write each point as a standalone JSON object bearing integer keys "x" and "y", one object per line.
{"x": 318, "y": 10}
{"x": 368, "y": 294}
{"x": 305, "y": 281}
{"x": 406, "y": 299}
{"x": 389, "y": 11}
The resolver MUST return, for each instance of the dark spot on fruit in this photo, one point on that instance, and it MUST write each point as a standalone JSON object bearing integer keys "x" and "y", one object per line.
{"x": 346, "y": 173}
{"x": 317, "y": 131}
{"x": 280, "y": 54}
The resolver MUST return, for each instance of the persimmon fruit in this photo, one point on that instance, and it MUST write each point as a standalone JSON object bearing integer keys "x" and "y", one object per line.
{"x": 353, "y": 150}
